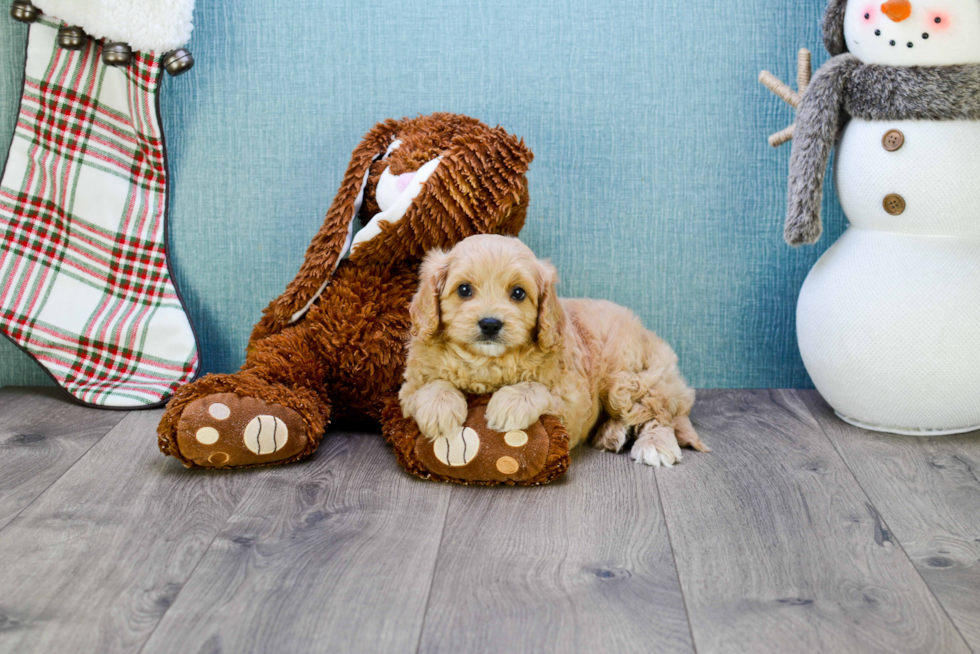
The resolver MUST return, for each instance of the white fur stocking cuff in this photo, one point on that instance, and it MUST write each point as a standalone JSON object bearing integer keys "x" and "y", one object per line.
{"x": 146, "y": 25}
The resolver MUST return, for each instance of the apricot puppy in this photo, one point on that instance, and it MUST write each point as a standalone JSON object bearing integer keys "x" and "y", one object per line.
{"x": 486, "y": 319}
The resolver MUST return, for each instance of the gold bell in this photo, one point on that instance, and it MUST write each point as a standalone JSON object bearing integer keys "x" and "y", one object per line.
{"x": 178, "y": 62}
{"x": 71, "y": 37}
{"x": 117, "y": 54}
{"x": 24, "y": 11}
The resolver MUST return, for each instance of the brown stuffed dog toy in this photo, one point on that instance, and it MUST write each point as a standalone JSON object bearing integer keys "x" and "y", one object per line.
{"x": 332, "y": 347}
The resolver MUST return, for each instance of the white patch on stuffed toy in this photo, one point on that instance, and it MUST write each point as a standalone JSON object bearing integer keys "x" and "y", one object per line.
{"x": 400, "y": 200}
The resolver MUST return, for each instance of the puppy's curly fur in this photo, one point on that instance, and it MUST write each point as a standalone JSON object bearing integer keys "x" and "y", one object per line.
{"x": 486, "y": 319}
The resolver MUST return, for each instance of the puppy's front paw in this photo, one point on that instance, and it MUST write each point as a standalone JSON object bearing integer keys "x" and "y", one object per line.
{"x": 656, "y": 446}
{"x": 518, "y": 406}
{"x": 439, "y": 410}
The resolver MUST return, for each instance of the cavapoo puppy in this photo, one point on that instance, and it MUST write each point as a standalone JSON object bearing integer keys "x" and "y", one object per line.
{"x": 486, "y": 319}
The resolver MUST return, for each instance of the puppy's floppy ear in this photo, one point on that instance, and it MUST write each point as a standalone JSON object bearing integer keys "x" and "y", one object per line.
{"x": 551, "y": 316}
{"x": 424, "y": 309}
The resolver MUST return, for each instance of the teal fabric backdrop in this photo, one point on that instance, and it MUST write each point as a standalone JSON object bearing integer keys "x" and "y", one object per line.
{"x": 653, "y": 185}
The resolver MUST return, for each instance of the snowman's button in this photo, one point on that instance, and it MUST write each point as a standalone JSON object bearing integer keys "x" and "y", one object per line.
{"x": 893, "y": 140}
{"x": 894, "y": 204}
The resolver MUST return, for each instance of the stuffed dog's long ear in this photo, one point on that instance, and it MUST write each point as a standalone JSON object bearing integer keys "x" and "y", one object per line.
{"x": 479, "y": 187}
{"x": 424, "y": 309}
{"x": 332, "y": 241}
{"x": 551, "y": 316}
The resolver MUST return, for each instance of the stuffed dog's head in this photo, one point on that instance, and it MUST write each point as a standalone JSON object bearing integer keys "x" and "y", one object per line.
{"x": 433, "y": 181}
{"x": 489, "y": 295}
{"x": 412, "y": 185}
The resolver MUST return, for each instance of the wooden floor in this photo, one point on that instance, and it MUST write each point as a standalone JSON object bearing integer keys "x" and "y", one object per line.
{"x": 798, "y": 534}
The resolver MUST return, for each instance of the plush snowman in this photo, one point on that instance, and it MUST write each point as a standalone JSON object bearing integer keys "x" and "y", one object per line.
{"x": 888, "y": 320}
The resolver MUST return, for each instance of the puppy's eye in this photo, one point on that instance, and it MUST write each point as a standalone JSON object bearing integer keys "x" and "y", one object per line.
{"x": 465, "y": 290}
{"x": 518, "y": 294}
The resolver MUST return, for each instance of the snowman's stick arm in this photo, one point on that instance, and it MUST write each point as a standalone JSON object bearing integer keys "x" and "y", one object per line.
{"x": 804, "y": 70}
{"x": 782, "y": 136}
{"x": 784, "y": 92}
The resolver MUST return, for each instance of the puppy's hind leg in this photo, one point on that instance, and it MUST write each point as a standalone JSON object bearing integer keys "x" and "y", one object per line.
{"x": 612, "y": 435}
{"x": 656, "y": 445}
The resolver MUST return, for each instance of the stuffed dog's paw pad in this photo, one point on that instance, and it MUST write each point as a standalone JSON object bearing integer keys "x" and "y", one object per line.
{"x": 459, "y": 449}
{"x": 516, "y": 438}
{"x": 224, "y": 430}
{"x": 219, "y": 411}
{"x": 207, "y": 435}
{"x": 507, "y": 465}
{"x": 266, "y": 434}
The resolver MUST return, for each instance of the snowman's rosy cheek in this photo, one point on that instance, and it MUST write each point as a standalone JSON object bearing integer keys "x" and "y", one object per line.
{"x": 868, "y": 14}
{"x": 937, "y": 21}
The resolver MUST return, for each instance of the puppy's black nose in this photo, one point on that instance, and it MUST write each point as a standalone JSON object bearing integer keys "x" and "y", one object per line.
{"x": 490, "y": 326}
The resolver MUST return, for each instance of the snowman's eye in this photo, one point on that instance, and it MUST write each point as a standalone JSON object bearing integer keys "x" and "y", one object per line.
{"x": 867, "y": 17}
{"x": 938, "y": 19}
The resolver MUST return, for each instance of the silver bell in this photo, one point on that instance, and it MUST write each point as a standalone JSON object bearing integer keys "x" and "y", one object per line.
{"x": 71, "y": 37}
{"x": 24, "y": 11}
{"x": 178, "y": 62}
{"x": 117, "y": 54}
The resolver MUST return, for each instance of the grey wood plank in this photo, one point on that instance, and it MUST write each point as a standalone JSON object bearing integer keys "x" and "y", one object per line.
{"x": 42, "y": 434}
{"x": 777, "y": 547}
{"x": 331, "y": 556}
{"x": 928, "y": 490}
{"x": 94, "y": 562}
{"x": 582, "y": 565}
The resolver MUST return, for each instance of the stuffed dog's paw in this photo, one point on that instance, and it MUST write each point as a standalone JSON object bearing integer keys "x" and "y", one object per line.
{"x": 224, "y": 430}
{"x": 517, "y": 406}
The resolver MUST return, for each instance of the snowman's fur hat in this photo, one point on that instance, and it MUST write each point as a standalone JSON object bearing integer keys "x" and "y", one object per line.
{"x": 833, "y": 27}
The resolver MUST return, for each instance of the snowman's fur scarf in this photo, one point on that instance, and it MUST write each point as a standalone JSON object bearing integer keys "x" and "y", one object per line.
{"x": 844, "y": 88}
{"x": 147, "y": 25}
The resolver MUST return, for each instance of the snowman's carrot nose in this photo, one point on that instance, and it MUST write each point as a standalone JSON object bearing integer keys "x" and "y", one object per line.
{"x": 897, "y": 10}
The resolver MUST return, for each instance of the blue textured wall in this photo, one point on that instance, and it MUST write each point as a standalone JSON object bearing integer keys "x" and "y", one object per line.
{"x": 653, "y": 185}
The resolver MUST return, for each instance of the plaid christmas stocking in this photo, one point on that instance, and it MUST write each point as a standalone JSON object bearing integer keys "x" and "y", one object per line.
{"x": 85, "y": 287}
